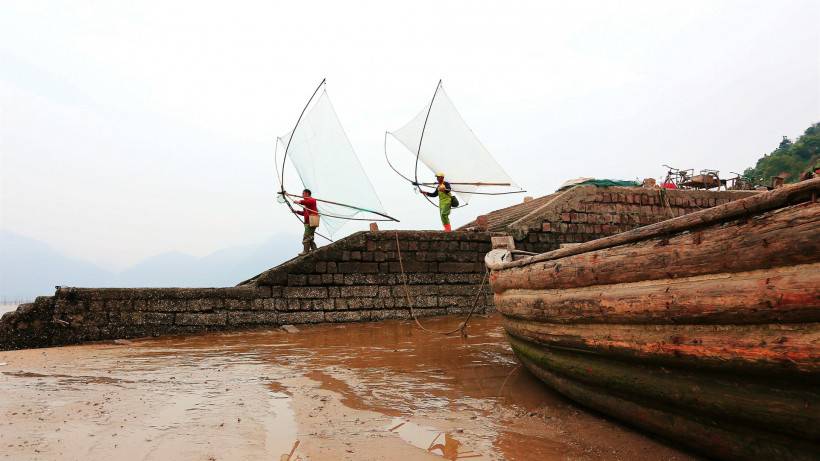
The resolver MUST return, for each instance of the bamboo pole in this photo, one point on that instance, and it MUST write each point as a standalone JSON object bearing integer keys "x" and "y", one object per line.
{"x": 469, "y": 183}
{"x": 387, "y": 217}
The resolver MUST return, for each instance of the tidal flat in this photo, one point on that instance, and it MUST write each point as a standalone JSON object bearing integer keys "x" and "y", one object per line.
{"x": 357, "y": 391}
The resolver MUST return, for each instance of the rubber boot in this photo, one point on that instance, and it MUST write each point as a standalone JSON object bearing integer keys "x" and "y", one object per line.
{"x": 305, "y": 248}
{"x": 447, "y": 228}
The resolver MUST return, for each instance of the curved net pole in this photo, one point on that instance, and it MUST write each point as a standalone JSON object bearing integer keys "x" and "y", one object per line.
{"x": 281, "y": 174}
{"x": 424, "y": 127}
{"x": 293, "y": 133}
{"x": 284, "y": 198}
{"x": 414, "y": 183}
{"x": 488, "y": 193}
{"x": 421, "y": 138}
{"x": 382, "y": 216}
{"x": 390, "y": 164}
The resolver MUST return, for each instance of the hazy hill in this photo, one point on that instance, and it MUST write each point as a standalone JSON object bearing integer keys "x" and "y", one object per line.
{"x": 30, "y": 268}
{"x": 225, "y": 267}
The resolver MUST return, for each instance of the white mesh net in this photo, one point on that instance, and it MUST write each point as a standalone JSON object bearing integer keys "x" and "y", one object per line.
{"x": 326, "y": 163}
{"x": 450, "y": 146}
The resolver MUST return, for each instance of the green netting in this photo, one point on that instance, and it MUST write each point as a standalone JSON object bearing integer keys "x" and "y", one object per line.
{"x": 598, "y": 183}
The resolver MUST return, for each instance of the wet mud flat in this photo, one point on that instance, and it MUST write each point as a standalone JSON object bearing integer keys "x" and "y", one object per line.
{"x": 372, "y": 391}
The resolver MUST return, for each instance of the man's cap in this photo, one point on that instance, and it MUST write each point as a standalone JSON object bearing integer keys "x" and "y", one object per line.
{"x": 439, "y": 174}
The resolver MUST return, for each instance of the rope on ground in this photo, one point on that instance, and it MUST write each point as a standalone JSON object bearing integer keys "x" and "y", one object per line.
{"x": 463, "y": 327}
{"x": 517, "y": 367}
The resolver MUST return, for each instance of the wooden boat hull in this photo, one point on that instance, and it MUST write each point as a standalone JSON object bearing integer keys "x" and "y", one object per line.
{"x": 704, "y": 330}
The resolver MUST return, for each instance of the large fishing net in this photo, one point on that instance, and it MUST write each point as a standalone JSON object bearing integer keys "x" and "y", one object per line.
{"x": 326, "y": 163}
{"x": 449, "y": 146}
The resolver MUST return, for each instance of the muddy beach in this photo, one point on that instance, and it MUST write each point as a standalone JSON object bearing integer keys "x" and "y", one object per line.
{"x": 384, "y": 391}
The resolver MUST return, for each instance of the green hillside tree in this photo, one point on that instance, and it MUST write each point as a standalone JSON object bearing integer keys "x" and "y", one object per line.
{"x": 790, "y": 158}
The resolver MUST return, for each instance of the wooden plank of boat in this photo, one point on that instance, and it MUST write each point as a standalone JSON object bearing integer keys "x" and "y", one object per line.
{"x": 779, "y": 294}
{"x": 775, "y": 238}
{"x": 794, "y": 193}
{"x": 713, "y": 395}
{"x": 780, "y": 348}
{"x": 717, "y": 439}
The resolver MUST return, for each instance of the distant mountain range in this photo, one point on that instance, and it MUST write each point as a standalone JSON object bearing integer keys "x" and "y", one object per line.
{"x": 30, "y": 268}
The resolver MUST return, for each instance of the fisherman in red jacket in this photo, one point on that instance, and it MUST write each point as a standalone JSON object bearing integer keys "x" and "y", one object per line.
{"x": 311, "y": 214}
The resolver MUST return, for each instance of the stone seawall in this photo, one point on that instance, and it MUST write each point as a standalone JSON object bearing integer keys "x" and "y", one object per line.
{"x": 358, "y": 278}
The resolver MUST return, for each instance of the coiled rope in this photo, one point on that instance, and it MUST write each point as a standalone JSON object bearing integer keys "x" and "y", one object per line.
{"x": 463, "y": 327}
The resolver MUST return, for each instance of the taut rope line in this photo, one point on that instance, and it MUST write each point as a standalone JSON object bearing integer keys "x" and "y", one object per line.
{"x": 463, "y": 327}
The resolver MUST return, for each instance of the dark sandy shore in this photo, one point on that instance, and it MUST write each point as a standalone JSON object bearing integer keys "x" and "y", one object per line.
{"x": 385, "y": 391}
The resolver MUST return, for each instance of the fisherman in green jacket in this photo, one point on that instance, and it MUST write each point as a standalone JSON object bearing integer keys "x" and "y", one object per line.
{"x": 445, "y": 199}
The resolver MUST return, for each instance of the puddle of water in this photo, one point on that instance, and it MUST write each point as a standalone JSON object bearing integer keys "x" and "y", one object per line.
{"x": 374, "y": 390}
{"x": 432, "y": 440}
{"x": 280, "y": 430}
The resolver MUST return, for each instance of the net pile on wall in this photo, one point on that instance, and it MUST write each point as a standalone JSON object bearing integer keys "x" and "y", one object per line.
{"x": 324, "y": 159}
{"x": 448, "y": 145}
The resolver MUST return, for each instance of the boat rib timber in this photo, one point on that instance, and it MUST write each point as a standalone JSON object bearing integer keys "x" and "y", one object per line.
{"x": 703, "y": 329}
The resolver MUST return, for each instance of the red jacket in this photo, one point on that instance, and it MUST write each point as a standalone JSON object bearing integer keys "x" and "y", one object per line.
{"x": 309, "y": 204}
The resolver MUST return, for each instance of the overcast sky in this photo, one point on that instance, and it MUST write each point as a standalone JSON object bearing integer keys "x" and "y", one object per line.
{"x": 129, "y": 129}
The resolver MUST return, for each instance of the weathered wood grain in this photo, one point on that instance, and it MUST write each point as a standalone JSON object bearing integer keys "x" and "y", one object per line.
{"x": 783, "y": 237}
{"x": 775, "y": 295}
{"x": 773, "y": 347}
{"x": 755, "y": 204}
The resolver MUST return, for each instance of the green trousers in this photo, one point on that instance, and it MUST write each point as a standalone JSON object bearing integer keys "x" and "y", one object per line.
{"x": 444, "y": 205}
{"x": 308, "y": 236}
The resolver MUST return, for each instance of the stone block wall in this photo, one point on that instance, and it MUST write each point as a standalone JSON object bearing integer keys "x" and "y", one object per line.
{"x": 587, "y": 213}
{"x": 75, "y": 315}
{"x": 358, "y": 278}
